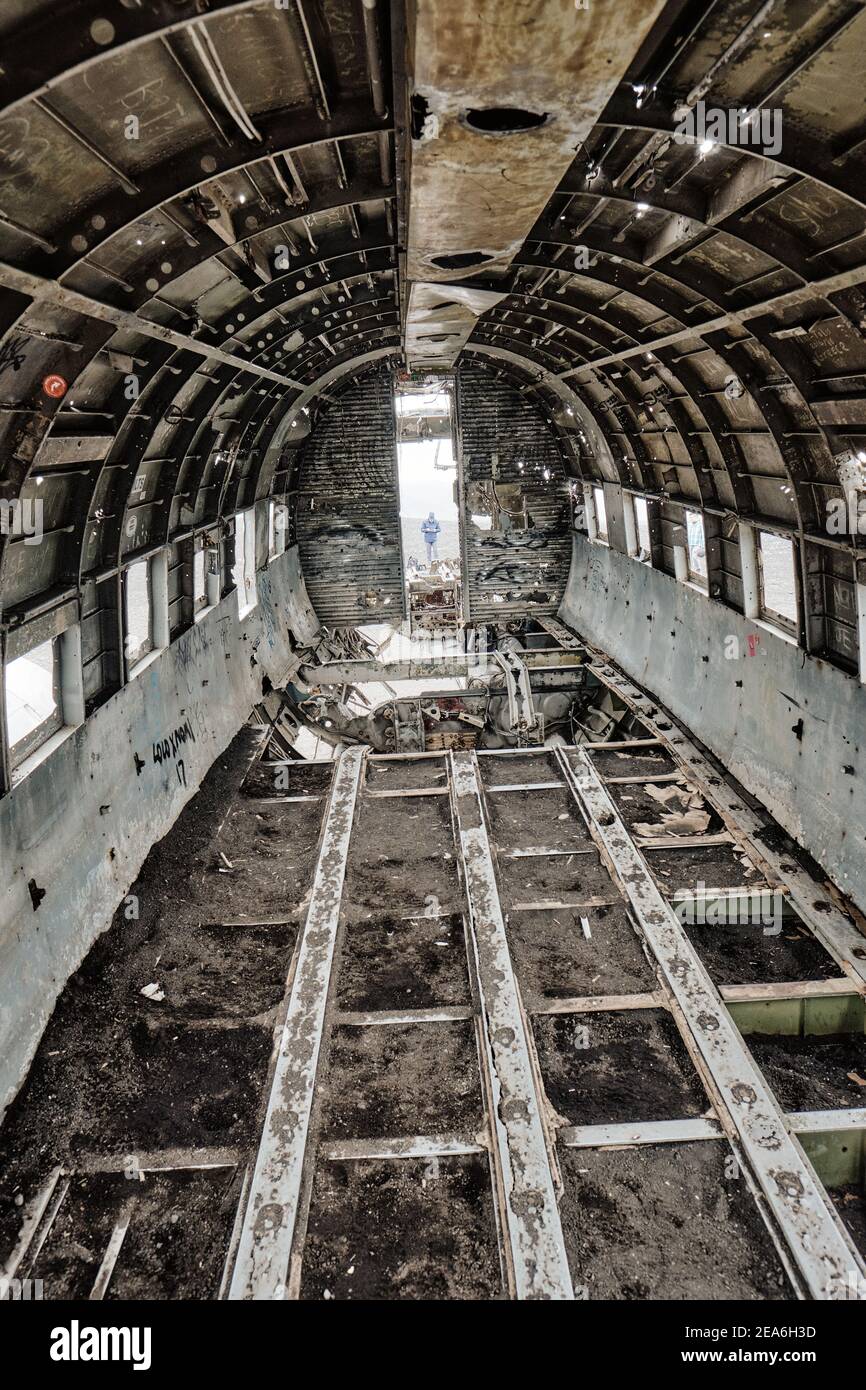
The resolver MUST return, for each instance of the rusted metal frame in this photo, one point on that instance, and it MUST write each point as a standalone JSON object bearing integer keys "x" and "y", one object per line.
{"x": 374, "y": 56}
{"x": 484, "y": 334}
{"x": 694, "y": 207}
{"x": 259, "y": 418}
{"x": 131, "y": 457}
{"x": 310, "y": 341}
{"x": 181, "y": 175}
{"x": 705, "y": 288}
{"x": 836, "y": 30}
{"x": 692, "y": 443}
{"x": 770, "y": 408}
{"x": 351, "y": 194}
{"x": 112, "y": 1253}
{"x": 663, "y": 300}
{"x": 311, "y": 331}
{"x": 803, "y": 154}
{"x": 35, "y": 1228}
{"x": 348, "y": 347}
{"x": 207, "y": 246}
{"x": 282, "y": 408}
{"x": 522, "y": 301}
{"x": 800, "y": 369}
{"x": 491, "y": 325}
{"x": 814, "y": 290}
{"x": 212, "y": 248}
{"x": 598, "y": 1003}
{"x": 185, "y": 440}
{"x": 540, "y": 1266}
{"x": 57, "y": 35}
{"x": 680, "y": 426}
{"x": 273, "y": 298}
{"x": 641, "y": 1132}
{"x": 248, "y": 480}
{"x": 272, "y": 315}
{"x": 820, "y": 1247}
{"x": 321, "y": 358}
{"x": 411, "y": 1146}
{"x": 21, "y": 450}
{"x": 315, "y": 352}
{"x": 308, "y": 51}
{"x": 239, "y": 478}
{"x": 676, "y": 50}
{"x": 728, "y": 447}
{"x": 831, "y": 926}
{"x": 399, "y": 95}
{"x": 267, "y": 1240}
{"x": 647, "y": 346}
{"x": 642, "y": 457}
{"x": 581, "y": 314}
{"x": 549, "y": 314}
{"x": 204, "y": 446}
{"x": 804, "y": 498}
{"x": 50, "y": 291}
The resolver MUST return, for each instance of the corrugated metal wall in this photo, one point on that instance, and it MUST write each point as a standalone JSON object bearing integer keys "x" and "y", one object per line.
{"x": 348, "y": 507}
{"x": 513, "y": 474}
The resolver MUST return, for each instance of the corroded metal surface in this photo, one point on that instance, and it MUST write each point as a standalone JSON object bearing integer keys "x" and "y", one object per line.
{"x": 533, "y": 1226}
{"x": 818, "y": 1244}
{"x": 265, "y": 1247}
{"x": 473, "y": 190}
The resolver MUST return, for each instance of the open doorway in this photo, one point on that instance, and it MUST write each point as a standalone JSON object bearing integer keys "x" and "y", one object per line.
{"x": 427, "y": 471}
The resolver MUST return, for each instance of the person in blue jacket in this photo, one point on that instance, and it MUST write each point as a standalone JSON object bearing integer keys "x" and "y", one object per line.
{"x": 430, "y": 529}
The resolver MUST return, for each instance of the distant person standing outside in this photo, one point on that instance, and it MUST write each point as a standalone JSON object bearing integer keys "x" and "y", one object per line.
{"x": 430, "y": 529}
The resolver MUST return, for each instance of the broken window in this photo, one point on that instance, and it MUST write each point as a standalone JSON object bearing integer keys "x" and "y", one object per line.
{"x": 277, "y": 521}
{"x": 644, "y": 541}
{"x": 697, "y": 550}
{"x": 137, "y": 611}
{"x": 244, "y": 568}
{"x": 33, "y": 706}
{"x": 199, "y": 575}
{"x": 600, "y": 513}
{"x": 778, "y": 578}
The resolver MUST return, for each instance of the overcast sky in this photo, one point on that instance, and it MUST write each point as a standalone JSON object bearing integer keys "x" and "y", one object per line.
{"x": 422, "y": 487}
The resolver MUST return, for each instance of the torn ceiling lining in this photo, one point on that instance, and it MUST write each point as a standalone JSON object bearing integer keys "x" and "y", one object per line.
{"x": 440, "y": 320}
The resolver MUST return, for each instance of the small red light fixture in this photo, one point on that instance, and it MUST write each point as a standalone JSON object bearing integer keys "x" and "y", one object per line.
{"x": 55, "y": 386}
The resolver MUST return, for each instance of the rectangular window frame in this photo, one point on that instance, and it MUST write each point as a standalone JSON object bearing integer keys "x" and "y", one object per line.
{"x": 646, "y": 559}
{"x": 602, "y": 533}
{"x": 199, "y": 569}
{"x": 244, "y": 567}
{"x": 134, "y": 661}
{"x": 35, "y": 738}
{"x": 278, "y": 521}
{"x": 696, "y": 575}
{"x": 766, "y": 613}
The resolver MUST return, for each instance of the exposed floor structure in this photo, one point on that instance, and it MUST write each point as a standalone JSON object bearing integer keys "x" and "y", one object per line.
{"x": 482, "y": 973}
{"x": 433, "y": 655}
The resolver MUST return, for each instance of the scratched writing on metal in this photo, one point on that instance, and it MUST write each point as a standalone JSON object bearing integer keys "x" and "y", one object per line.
{"x": 12, "y": 354}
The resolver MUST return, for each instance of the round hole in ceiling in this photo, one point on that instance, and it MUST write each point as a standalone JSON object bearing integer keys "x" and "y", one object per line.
{"x": 504, "y": 120}
{"x": 461, "y": 260}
